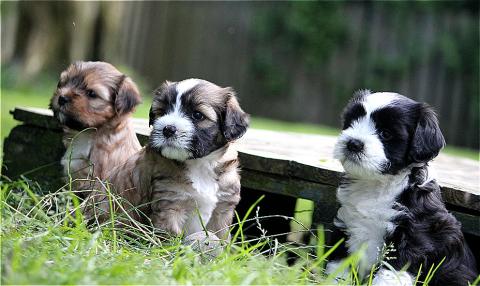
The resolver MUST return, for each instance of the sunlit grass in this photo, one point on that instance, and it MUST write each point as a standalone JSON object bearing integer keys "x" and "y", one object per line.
{"x": 277, "y": 125}
{"x": 42, "y": 243}
{"x": 45, "y": 240}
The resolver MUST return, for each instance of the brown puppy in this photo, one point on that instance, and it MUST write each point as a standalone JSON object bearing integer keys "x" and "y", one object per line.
{"x": 187, "y": 176}
{"x": 97, "y": 97}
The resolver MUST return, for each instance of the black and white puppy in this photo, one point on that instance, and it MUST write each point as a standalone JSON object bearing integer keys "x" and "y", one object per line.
{"x": 387, "y": 195}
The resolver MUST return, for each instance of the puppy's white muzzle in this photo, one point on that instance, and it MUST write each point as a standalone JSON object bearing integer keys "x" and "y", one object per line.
{"x": 360, "y": 150}
{"x": 173, "y": 145}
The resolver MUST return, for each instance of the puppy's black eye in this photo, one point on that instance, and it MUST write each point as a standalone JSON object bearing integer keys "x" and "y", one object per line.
{"x": 385, "y": 135}
{"x": 198, "y": 115}
{"x": 91, "y": 93}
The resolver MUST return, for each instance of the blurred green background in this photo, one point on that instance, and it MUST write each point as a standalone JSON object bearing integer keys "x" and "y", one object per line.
{"x": 293, "y": 64}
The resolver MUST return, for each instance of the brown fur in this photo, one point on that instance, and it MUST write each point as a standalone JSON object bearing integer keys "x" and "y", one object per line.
{"x": 159, "y": 187}
{"x": 148, "y": 185}
{"x": 109, "y": 138}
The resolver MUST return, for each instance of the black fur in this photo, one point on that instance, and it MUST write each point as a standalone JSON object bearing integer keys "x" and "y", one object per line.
{"x": 205, "y": 141}
{"x": 399, "y": 121}
{"x": 354, "y": 109}
{"x": 352, "y": 113}
{"x": 151, "y": 117}
{"x": 427, "y": 138}
{"x": 425, "y": 232}
{"x": 165, "y": 96}
{"x": 72, "y": 123}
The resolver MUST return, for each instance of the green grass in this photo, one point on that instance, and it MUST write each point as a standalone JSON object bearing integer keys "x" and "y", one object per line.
{"x": 277, "y": 125}
{"x": 462, "y": 152}
{"x": 43, "y": 244}
{"x": 39, "y": 97}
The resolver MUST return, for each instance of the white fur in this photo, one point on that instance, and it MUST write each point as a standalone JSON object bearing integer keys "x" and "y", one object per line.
{"x": 176, "y": 147}
{"x": 332, "y": 268}
{"x": 367, "y": 212}
{"x": 175, "y": 153}
{"x": 385, "y": 277}
{"x": 367, "y": 200}
{"x": 78, "y": 152}
{"x": 371, "y": 160}
{"x": 204, "y": 181}
{"x": 378, "y": 100}
{"x": 186, "y": 85}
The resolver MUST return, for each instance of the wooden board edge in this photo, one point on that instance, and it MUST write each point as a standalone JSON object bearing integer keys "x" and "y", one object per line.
{"x": 287, "y": 186}
{"x": 289, "y": 168}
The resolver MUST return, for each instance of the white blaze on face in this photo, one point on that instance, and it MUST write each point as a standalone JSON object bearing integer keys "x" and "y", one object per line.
{"x": 177, "y": 146}
{"x": 373, "y": 157}
{"x": 186, "y": 85}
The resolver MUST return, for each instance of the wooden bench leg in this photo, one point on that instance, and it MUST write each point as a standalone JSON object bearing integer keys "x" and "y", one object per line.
{"x": 323, "y": 214}
{"x": 272, "y": 204}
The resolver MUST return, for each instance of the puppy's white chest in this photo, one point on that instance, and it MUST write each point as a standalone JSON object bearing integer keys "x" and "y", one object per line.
{"x": 77, "y": 156}
{"x": 205, "y": 188}
{"x": 367, "y": 214}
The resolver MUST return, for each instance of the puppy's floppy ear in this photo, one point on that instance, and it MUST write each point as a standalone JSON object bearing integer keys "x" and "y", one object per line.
{"x": 127, "y": 96}
{"x": 235, "y": 120}
{"x": 427, "y": 138}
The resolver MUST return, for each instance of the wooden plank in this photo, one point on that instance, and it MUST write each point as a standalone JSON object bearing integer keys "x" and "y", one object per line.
{"x": 36, "y": 153}
{"x": 36, "y": 116}
{"x": 288, "y": 186}
{"x": 308, "y": 158}
{"x": 470, "y": 223}
{"x": 325, "y": 204}
{"x": 288, "y": 168}
{"x": 315, "y": 151}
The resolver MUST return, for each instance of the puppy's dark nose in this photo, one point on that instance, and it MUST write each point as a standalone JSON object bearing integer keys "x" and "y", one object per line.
{"x": 169, "y": 131}
{"x": 62, "y": 100}
{"x": 355, "y": 145}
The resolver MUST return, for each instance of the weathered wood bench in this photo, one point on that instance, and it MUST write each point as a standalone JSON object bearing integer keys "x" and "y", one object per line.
{"x": 289, "y": 164}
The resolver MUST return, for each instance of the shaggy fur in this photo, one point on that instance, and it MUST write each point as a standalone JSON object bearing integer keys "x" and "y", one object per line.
{"x": 188, "y": 170}
{"x": 388, "y": 197}
{"x": 98, "y": 99}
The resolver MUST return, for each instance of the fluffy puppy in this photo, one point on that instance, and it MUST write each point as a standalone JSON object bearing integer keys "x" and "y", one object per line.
{"x": 97, "y": 97}
{"x": 388, "y": 197}
{"x": 187, "y": 176}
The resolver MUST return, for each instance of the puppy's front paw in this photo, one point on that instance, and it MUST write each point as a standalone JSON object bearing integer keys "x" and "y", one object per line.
{"x": 208, "y": 244}
{"x": 385, "y": 277}
{"x": 333, "y": 268}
